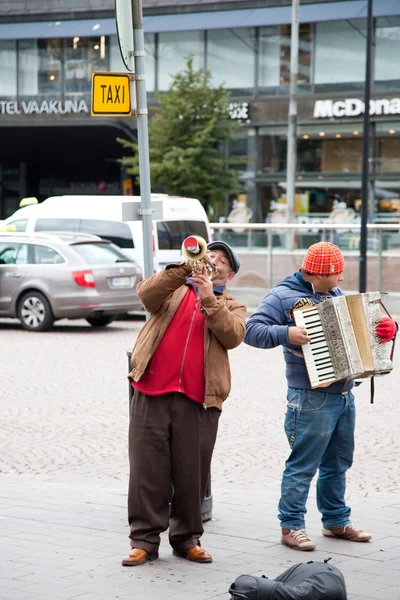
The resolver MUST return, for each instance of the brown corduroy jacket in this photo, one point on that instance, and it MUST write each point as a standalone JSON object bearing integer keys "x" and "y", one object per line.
{"x": 225, "y": 328}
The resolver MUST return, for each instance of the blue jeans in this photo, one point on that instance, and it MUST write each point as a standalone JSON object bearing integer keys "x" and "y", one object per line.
{"x": 320, "y": 431}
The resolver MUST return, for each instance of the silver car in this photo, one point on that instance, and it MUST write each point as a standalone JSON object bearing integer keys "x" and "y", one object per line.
{"x": 45, "y": 277}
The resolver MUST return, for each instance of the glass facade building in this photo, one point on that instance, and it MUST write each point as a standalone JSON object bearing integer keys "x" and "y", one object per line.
{"x": 45, "y": 95}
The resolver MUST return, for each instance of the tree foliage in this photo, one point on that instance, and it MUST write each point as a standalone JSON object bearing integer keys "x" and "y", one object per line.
{"x": 187, "y": 135}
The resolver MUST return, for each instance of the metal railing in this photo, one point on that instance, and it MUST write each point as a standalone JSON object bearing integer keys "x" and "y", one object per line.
{"x": 240, "y": 232}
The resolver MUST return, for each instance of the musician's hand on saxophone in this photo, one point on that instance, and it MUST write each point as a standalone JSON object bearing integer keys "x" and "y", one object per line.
{"x": 298, "y": 336}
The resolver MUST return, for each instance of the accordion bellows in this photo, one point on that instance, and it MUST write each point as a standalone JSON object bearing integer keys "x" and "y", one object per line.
{"x": 343, "y": 343}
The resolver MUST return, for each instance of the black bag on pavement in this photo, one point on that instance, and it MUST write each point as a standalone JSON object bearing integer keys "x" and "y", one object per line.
{"x": 303, "y": 581}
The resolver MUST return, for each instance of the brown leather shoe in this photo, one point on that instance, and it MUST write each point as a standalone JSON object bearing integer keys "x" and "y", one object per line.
{"x": 138, "y": 556}
{"x": 195, "y": 554}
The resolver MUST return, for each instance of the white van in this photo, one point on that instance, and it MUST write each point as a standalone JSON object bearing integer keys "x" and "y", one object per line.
{"x": 102, "y": 215}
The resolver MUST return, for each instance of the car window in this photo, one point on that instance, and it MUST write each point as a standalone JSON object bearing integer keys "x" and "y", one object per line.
{"x": 172, "y": 233}
{"x": 99, "y": 253}
{"x": 57, "y": 225}
{"x": 117, "y": 232}
{"x": 13, "y": 253}
{"x": 44, "y": 255}
{"x": 19, "y": 225}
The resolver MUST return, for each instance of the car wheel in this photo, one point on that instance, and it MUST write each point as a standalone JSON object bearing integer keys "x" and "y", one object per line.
{"x": 34, "y": 312}
{"x": 100, "y": 321}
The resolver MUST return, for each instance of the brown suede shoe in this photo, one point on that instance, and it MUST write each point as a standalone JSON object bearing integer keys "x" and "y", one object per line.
{"x": 348, "y": 532}
{"x": 138, "y": 556}
{"x": 195, "y": 554}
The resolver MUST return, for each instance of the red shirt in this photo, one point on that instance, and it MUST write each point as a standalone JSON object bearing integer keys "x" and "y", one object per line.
{"x": 177, "y": 365}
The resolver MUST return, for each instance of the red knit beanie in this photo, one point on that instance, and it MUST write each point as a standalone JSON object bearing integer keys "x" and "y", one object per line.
{"x": 323, "y": 258}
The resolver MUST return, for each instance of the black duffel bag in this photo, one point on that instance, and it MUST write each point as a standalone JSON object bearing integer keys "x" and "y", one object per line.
{"x": 303, "y": 581}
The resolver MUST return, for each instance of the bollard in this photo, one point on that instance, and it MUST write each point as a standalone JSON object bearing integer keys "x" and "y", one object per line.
{"x": 206, "y": 509}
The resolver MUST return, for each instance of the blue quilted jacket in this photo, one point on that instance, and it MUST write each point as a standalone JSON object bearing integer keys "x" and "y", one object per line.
{"x": 268, "y": 327}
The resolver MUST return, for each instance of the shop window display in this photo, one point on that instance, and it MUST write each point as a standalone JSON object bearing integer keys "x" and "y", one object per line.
{"x": 388, "y": 155}
{"x": 341, "y": 156}
{"x": 273, "y": 154}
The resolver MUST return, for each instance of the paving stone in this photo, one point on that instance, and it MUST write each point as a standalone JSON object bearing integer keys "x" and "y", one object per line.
{"x": 7, "y": 594}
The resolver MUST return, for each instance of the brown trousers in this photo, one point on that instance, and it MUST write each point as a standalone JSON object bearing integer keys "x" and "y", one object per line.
{"x": 171, "y": 439}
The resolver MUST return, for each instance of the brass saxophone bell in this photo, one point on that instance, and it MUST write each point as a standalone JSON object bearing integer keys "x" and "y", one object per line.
{"x": 194, "y": 248}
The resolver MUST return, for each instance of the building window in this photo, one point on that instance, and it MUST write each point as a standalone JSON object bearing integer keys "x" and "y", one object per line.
{"x": 231, "y": 58}
{"x": 272, "y": 152}
{"x": 387, "y": 155}
{"x": 150, "y": 60}
{"x": 269, "y": 62}
{"x": 83, "y": 56}
{"x": 305, "y": 54}
{"x": 309, "y": 153}
{"x": 341, "y": 156}
{"x": 50, "y": 71}
{"x": 339, "y": 55}
{"x": 117, "y": 65}
{"x": 29, "y": 61}
{"x": 274, "y": 62}
{"x": 238, "y": 152}
{"x": 8, "y": 68}
{"x": 387, "y": 65}
{"x": 173, "y": 50}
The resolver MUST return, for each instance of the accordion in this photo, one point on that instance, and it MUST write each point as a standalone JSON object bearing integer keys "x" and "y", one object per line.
{"x": 343, "y": 343}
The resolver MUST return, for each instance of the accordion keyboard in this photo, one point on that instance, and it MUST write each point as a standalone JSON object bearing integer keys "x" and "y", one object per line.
{"x": 316, "y": 352}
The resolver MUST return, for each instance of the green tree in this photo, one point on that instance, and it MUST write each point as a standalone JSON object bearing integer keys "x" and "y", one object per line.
{"x": 187, "y": 135}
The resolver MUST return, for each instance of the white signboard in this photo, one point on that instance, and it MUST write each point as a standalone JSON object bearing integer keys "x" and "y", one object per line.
{"x": 239, "y": 111}
{"x": 354, "y": 107}
{"x": 45, "y": 107}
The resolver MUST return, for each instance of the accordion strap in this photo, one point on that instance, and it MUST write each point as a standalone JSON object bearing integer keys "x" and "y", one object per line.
{"x": 372, "y": 390}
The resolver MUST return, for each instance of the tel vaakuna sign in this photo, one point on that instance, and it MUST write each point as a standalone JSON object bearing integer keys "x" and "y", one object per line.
{"x": 111, "y": 94}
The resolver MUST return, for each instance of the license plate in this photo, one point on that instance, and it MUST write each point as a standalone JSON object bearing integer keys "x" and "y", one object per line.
{"x": 121, "y": 281}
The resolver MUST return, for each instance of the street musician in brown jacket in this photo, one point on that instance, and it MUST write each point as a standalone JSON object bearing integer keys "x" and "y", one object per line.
{"x": 180, "y": 367}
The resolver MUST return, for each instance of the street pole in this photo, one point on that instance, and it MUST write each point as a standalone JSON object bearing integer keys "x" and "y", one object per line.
{"x": 292, "y": 120}
{"x": 141, "y": 113}
{"x": 365, "y": 189}
{"x": 372, "y": 174}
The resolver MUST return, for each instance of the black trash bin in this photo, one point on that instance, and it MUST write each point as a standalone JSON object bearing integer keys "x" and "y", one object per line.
{"x": 206, "y": 509}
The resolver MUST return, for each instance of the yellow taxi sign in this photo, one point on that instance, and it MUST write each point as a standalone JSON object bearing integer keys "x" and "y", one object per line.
{"x": 28, "y": 201}
{"x": 111, "y": 94}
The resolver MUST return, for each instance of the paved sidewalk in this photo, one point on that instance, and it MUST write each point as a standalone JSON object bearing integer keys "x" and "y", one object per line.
{"x": 64, "y": 474}
{"x": 62, "y": 540}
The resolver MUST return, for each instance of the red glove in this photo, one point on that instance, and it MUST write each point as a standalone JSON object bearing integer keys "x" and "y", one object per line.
{"x": 386, "y": 329}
